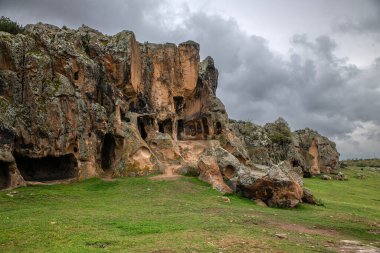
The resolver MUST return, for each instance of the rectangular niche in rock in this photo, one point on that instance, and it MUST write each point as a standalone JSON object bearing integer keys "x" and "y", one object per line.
{"x": 178, "y": 104}
{"x": 165, "y": 127}
{"x": 47, "y": 168}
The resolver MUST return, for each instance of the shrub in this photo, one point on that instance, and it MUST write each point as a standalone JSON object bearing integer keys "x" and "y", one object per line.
{"x": 9, "y": 26}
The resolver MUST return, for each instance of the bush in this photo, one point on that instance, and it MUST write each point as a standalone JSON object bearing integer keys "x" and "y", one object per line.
{"x": 9, "y": 26}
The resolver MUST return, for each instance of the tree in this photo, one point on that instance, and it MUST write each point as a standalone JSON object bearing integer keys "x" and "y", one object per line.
{"x": 9, "y": 26}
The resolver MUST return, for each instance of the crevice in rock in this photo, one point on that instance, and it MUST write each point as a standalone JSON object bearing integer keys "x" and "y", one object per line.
{"x": 205, "y": 128}
{"x": 76, "y": 75}
{"x": 180, "y": 128}
{"x": 47, "y": 168}
{"x": 218, "y": 128}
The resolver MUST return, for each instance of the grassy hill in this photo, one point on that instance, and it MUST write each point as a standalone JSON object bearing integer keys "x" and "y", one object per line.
{"x": 375, "y": 162}
{"x": 185, "y": 215}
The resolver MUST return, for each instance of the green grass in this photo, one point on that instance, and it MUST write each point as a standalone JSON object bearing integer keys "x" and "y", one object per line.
{"x": 186, "y": 215}
{"x": 375, "y": 162}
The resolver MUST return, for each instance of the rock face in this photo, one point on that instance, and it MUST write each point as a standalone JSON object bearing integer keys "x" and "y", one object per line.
{"x": 314, "y": 153}
{"x": 76, "y": 104}
{"x": 267, "y": 145}
{"x": 274, "y": 143}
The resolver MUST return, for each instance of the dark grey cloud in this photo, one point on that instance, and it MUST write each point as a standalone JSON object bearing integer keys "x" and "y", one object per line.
{"x": 370, "y": 24}
{"x": 310, "y": 86}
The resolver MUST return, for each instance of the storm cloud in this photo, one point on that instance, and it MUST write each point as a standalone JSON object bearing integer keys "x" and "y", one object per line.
{"x": 312, "y": 84}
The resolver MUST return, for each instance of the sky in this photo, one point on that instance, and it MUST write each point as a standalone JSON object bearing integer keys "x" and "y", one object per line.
{"x": 314, "y": 63}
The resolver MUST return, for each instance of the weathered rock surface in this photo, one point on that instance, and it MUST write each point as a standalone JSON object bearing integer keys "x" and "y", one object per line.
{"x": 210, "y": 173}
{"x": 314, "y": 153}
{"x": 76, "y": 104}
{"x": 267, "y": 145}
{"x": 280, "y": 186}
{"x": 274, "y": 143}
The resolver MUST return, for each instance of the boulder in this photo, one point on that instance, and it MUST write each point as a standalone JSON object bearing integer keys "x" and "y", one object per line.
{"x": 340, "y": 176}
{"x": 210, "y": 173}
{"x": 325, "y": 177}
{"x": 278, "y": 188}
{"x": 308, "y": 197}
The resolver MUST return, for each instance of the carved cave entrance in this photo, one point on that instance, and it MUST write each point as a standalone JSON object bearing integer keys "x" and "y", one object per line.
{"x": 193, "y": 129}
{"x": 108, "y": 152}
{"x": 47, "y": 168}
{"x": 143, "y": 124}
{"x": 178, "y": 104}
{"x": 165, "y": 127}
{"x": 4, "y": 175}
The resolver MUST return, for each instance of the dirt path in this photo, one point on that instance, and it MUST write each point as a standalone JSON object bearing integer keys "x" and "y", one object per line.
{"x": 168, "y": 174}
{"x": 107, "y": 176}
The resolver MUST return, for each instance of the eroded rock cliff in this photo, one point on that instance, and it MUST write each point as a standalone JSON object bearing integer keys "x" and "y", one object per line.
{"x": 76, "y": 104}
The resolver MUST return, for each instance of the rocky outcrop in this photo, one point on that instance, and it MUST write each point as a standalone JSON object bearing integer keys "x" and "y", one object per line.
{"x": 314, "y": 153}
{"x": 267, "y": 145}
{"x": 84, "y": 104}
{"x": 76, "y": 104}
{"x": 273, "y": 143}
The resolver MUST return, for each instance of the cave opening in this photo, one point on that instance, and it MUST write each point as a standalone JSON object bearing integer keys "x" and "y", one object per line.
{"x": 108, "y": 152}
{"x": 124, "y": 117}
{"x": 295, "y": 163}
{"x": 180, "y": 128}
{"x": 47, "y": 168}
{"x": 132, "y": 107}
{"x": 165, "y": 126}
{"x": 178, "y": 104}
{"x": 76, "y": 75}
{"x": 5, "y": 177}
{"x": 218, "y": 128}
{"x": 198, "y": 127}
{"x": 160, "y": 127}
{"x": 229, "y": 172}
{"x": 141, "y": 127}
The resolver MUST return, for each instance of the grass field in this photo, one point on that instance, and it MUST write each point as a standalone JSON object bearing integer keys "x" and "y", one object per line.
{"x": 185, "y": 215}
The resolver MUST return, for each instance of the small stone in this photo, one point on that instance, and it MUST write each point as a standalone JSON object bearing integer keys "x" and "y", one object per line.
{"x": 226, "y": 200}
{"x": 325, "y": 177}
{"x": 282, "y": 236}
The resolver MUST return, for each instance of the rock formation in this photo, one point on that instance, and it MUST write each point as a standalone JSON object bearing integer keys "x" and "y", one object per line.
{"x": 76, "y": 104}
{"x": 273, "y": 143}
{"x": 314, "y": 153}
